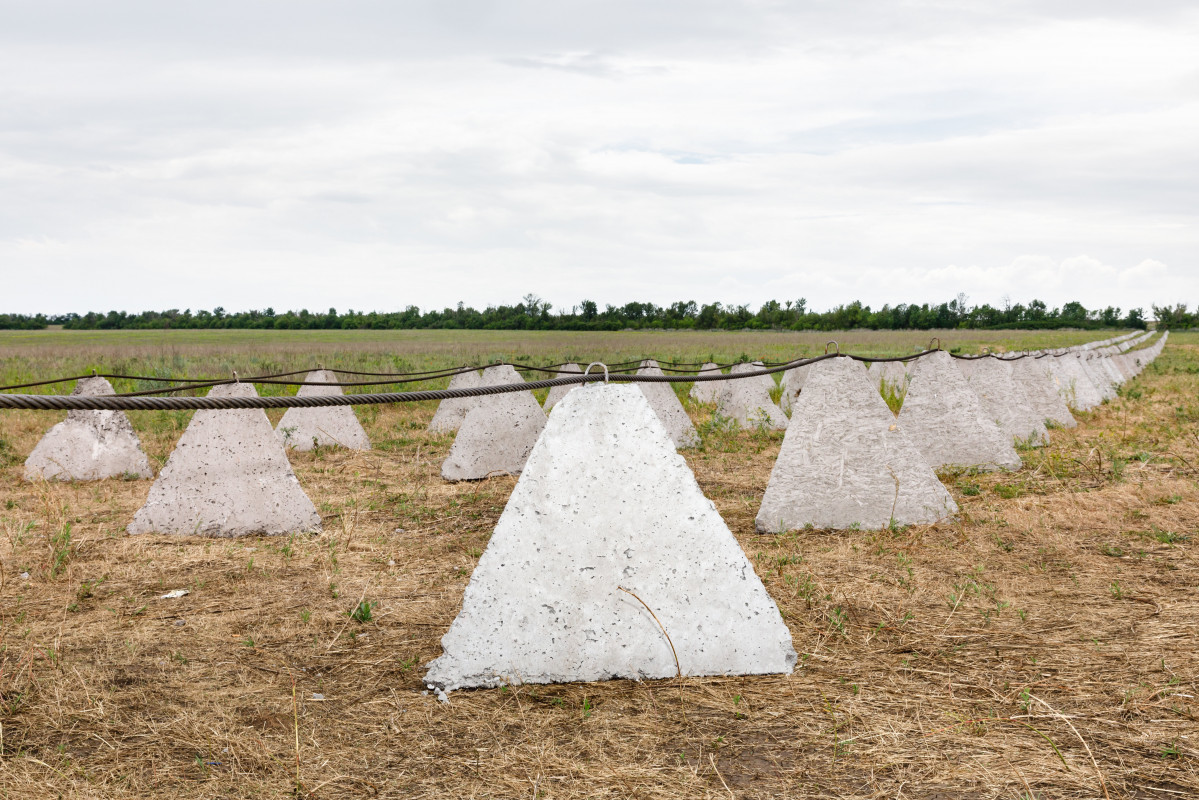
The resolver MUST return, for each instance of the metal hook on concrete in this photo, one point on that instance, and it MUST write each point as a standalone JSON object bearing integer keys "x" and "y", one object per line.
{"x": 936, "y": 339}
{"x": 832, "y": 342}
{"x": 597, "y": 363}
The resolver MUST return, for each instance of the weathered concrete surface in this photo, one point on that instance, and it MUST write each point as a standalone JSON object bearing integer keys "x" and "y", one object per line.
{"x": 845, "y": 461}
{"x": 89, "y": 445}
{"x": 1004, "y": 400}
{"x": 558, "y": 392}
{"x": 228, "y": 476}
{"x": 497, "y": 434}
{"x": 1040, "y": 388}
{"x": 606, "y": 503}
{"x": 706, "y": 391}
{"x": 1093, "y": 366}
{"x": 892, "y": 374}
{"x": 666, "y": 405}
{"x": 328, "y": 426}
{"x": 748, "y": 402}
{"x": 1074, "y": 384}
{"x": 451, "y": 412}
{"x": 944, "y": 419}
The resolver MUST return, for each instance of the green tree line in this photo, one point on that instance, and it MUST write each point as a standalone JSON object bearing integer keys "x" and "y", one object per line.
{"x": 533, "y": 313}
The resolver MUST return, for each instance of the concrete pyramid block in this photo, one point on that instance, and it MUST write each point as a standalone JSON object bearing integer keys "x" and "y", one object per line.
{"x": 748, "y": 402}
{"x": 452, "y": 411}
{"x": 607, "y": 509}
{"x": 767, "y": 381}
{"x": 1004, "y": 400}
{"x": 89, "y": 445}
{"x": 666, "y": 405}
{"x": 1074, "y": 385}
{"x": 558, "y": 392}
{"x": 1041, "y": 390}
{"x": 706, "y": 391}
{"x": 331, "y": 426}
{"x": 944, "y": 419}
{"x": 228, "y": 476}
{"x": 845, "y": 461}
{"x": 497, "y": 434}
{"x": 792, "y": 383}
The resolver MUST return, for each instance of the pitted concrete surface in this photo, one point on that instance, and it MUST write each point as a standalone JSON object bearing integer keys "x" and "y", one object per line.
{"x": 451, "y": 412}
{"x": 892, "y": 374}
{"x": 1074, "y": 384}
{"x": 228, "y": 476}
{"x": 1040, "y": 388}
{"x": 845, "y": 461}
{"x": 748, "y": 403}
{"x": 89, "y": 445}
{"x": 497, "y": 434}
{"x": 558, "y": 392}
{"x": 1004, "y": 400}
{"x": 706, "y": 391}
{"x": 606, "y": 503}
{"x": 792, "y": 383}
{"x": 944, "y": 419}
{"x": 1091, "y": 364}
{"x": 330, "y": 426}
{"x": 666, "y": 405}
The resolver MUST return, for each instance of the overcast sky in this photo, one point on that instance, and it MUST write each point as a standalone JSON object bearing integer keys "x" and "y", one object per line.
{"x": 373, "y": 155}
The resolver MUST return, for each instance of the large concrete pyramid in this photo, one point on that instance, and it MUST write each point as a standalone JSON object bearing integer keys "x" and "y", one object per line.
{"x": 666, "y": 405}
{"x": 944, "y": 419}
{"x": 605, "y": 510}
{"x": 497, "y": 434}
{"x": 1004, "y": 400}
{"x": 706, "y": 391}
{"x": 558, "y": 392}
{"x": 748, "y": 402}
{"x": 1041, "y": 390}
{"x": 452, "y": 411}
{"x": 336, "y": 426}
{"x": 89, "y": 445}
{"x": 228, "y": 476}
{"x": 845, "y": 462}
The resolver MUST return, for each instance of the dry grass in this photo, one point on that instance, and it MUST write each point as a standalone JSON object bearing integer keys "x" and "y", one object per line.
{"x": 1043, "y": 645}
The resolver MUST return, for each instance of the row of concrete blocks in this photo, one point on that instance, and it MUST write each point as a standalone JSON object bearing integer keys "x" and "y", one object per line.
{"x": 608, "y": 561}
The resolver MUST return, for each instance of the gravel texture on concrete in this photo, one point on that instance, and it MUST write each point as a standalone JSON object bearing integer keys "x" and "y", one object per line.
{"x": 606, "y": 503}
{"x": 227, "y": 476}
{"x": 1004, "y": 400}
{"x": 89, "y": 445}
{"x": 747, "y": 402}
{"x": 497, "y": 434}
{"x": 451, "y": 412}
{"x": 845, "y": 461}
{"x": 331, "y": 426}
{"x": 666, "y": 405}
{"x": 1039, "y": 386}
{"x": 706, "y": 391}
{"x": 558, "y": 392}
{"x": 944, "y": 419}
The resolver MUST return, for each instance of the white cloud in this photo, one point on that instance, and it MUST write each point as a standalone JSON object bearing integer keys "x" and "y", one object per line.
{"x": 614, "y": 151}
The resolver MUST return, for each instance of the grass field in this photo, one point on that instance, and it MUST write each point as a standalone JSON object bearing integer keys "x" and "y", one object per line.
{"x": 1041, "y": 645}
